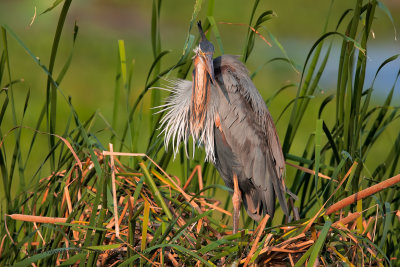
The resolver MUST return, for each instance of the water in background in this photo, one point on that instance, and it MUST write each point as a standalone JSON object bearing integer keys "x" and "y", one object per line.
{"x": 378, "y": 52}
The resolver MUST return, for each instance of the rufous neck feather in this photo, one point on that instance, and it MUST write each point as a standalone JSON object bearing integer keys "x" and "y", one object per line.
{"x": 200, "y": 97}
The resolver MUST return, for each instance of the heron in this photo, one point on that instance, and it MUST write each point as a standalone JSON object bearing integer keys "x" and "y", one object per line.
{"x": 222, "y": 110}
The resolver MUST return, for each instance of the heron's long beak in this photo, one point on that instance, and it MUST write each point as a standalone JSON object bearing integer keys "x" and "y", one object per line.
{"x": 210, "y": 67}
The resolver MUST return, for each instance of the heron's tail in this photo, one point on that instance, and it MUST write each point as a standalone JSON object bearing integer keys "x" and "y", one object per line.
{"x": 253, "y": 203}
{"x": 259, "y": 201}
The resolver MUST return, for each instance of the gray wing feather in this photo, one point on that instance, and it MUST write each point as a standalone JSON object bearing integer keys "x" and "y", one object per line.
{"x": 250, "y": 133}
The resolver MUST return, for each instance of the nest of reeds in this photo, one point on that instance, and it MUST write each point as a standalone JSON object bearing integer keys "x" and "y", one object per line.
{"x": 137, "y": 218}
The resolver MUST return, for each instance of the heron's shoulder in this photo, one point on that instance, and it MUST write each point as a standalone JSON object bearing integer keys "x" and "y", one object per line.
{"x": 230, "y": 61}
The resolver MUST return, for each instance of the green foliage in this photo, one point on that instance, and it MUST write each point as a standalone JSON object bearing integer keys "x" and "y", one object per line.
{"x": 357, "y": 125}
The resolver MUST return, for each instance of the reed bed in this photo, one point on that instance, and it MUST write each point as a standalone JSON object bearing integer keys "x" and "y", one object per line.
{"x": 153, "y": 219}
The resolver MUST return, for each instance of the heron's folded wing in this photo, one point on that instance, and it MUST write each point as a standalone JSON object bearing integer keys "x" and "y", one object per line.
{"x": 249, "y": 129}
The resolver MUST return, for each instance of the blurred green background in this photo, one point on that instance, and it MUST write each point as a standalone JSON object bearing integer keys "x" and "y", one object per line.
{"x": 90, "y": 80}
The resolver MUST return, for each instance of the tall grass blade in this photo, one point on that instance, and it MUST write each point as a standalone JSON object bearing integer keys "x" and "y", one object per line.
{"x": 122, "y": 60}
{"x": 40, "y": 256}
{"x": 386, "y": 225}
{"x": 51, "y": 90}
{"x": 296, "y": 67}
{"x": 154, "y": 65}
{"x": 156, "y": 46}
{"x": 317, "y": 248}
{"x": 124, "y": 75}
{"x": 116, "y": 98}
{"x": 249, "y": 46}
{"x": 17, "y": 148}
{"x": 305, "y": 256}
{"x": 385, "y": 9}
{"x": 331, "y": 142}
{"x": 69, "y": 60}
{"x": 245, "y": 48}
{"x": 216, "y": 33}
{"x": 81, "y": 128}
{"x": 283, "y": 88}
{"x": 158, "y": 197}
{"x": 54, "y": 5}
{"x": 286, "y": 60}
{"x": 174, "y": 246}
{"x": 2, "y": 65}
{"x": 140, "y": 98}
{"x": 318, "y": 145}
{"x": 188, "y": 42}
{"x": 379, "y": 119}
{"x": 295, "y": 115}
{"x": 144, "y": 228}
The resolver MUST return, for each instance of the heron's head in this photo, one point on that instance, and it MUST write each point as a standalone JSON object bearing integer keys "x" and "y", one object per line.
{"x": 203, "y": 59}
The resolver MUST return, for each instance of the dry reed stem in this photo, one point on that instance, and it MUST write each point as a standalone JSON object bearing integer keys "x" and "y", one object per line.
{"x": 114, "y": 191}
{"x": 346, "y": 220}
{"x": 190, "y": 177}
{"x": 155, "y": 255}
{"x": 275, "y": 249}
{"x": 60, "y": 137}
{"x": 57, "y": 174}
{"x": 366, "y": 225}
{"x": 290, "y": 240}
{"x": 201, "y": 200}
{"x": 172, "y": 259}
{"x": 123, "y": 212}
{"x": 199, "y": 225}
{"x": 291, "y": 260}
{"x": 260, "y": 228}
{"x": 285, "y": 250}
{"x": 177, "y": 180}
{"x": 310, "y": 171}
{"x": 68, "y": 199}
{"x": 164, "y": 181}
{"x": 200, "y": 179}
{"x": 304, "y": 244}
{"x": 337, "y": 188}
{"x": 2, "y": 245}
{"x": 67, "y": 246}
{"x": 376, "y": 222}
{"x": 35, "y": 244}
{"x": 186, "y": 196}
{"x": 268, "y": 239}
{"x": 216, "y": 207}
{"x": 37, "y": 219}
{"x": 39, "y": 233}
{"x": 363, "y": 194}
{"x": 46, "y": 192}
{"x": 254, "y": 30}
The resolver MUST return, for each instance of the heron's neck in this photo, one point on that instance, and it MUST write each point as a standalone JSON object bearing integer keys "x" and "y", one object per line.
{"x": 200, "y": 99}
